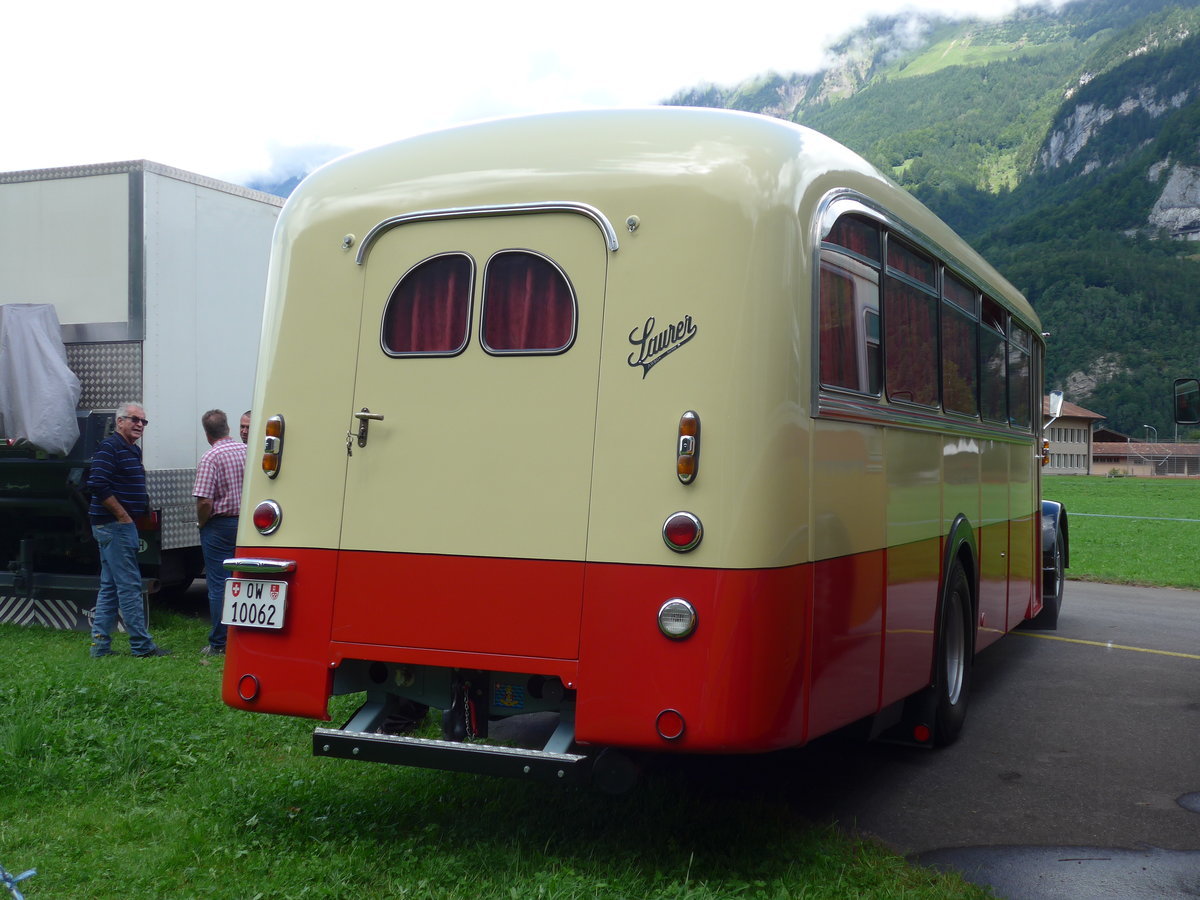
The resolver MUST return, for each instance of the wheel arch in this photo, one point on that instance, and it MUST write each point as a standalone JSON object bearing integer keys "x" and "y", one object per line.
{"x": 961, "y": 545}
{"x": 1054, "y": 518}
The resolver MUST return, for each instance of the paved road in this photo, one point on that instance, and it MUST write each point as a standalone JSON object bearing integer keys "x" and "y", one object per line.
{"x": 1075, "y": 771}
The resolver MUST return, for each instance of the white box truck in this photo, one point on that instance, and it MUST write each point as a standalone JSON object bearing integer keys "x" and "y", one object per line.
{"x": 156, "y": 277}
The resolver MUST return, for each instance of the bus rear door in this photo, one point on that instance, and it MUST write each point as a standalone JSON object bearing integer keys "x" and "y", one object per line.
{"x": 470, "y": 436}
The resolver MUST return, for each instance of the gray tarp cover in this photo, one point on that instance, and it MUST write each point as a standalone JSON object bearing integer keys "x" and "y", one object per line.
{"x": 38, "y": 392}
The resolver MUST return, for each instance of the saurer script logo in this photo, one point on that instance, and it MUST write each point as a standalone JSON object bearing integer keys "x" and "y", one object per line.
{"x": 654, "y": 347}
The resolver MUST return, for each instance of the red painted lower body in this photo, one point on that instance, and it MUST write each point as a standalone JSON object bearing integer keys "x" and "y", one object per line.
{"x": 779, "y": 656}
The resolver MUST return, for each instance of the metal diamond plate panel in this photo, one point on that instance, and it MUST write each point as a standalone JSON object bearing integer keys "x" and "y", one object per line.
{"x": 109, "y": 372}
{"x": 171, "y": 491}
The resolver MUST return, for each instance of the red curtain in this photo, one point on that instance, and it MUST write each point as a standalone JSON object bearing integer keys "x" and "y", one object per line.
{"x": 839, "y": 337}
{"x": 857, "y": 234}
{"x": 960, "y": 362}
{"x": 910, "y": 345}
{"x": 429, "y": 309}
{"x": 528, "y": 305}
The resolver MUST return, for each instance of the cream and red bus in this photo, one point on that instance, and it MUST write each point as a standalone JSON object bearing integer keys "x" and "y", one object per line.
{"x": 682, "y": 430}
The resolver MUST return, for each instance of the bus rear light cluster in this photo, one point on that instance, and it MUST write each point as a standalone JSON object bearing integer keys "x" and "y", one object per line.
{"x": 682, "y": 532}
{"x": 687, "y": 455}
{"x": 272, "y": 457}
{"x": 677, "y": 619}
{"x": 268, "y": 516}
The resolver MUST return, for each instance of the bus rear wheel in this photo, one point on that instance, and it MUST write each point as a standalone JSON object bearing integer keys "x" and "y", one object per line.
{"x": 1053, "y": 580}
{"x": 955, "y": 655}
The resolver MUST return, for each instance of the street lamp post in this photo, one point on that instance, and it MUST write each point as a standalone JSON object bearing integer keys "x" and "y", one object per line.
{"x": 1155, "y": 430}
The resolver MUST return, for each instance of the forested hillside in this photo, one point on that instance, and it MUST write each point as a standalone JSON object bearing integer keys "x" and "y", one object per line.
{"x": 1064, "y": 144}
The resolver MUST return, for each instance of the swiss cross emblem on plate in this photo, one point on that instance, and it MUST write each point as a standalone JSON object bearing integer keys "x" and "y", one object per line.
{"x": 236, "y": 588}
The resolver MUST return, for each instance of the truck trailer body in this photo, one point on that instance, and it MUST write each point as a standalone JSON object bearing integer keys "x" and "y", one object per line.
{"x": 157, "y": 279}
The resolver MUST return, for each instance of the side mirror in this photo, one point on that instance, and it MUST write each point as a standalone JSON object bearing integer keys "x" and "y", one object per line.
{"x": 1056, "y": 402}
{"x": 1187, "y": 401}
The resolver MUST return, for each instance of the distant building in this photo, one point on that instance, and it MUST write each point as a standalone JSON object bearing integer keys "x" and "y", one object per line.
{"x": 1103, "y": 435}
{"x": 1070, "y": 439}
{"x": 1145, "y": 459}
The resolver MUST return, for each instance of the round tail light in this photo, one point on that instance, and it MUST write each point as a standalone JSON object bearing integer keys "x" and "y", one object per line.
{"x": 682, "y": 531}
{"x": 267, "y": 517}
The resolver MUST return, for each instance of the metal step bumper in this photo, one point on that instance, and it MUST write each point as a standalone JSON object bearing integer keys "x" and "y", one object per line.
{"x": 361, "y": 739}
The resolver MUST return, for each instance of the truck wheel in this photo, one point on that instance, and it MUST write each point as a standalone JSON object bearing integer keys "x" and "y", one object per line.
{"x": 1052, "y": 589}
{"x": 955, "y": 655}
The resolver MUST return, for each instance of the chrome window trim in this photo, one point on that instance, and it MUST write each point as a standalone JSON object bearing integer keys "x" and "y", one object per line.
{"x": 465, "y": 212}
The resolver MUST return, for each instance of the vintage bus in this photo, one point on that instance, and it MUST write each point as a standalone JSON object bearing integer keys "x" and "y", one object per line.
{"x": 676, "y": 430}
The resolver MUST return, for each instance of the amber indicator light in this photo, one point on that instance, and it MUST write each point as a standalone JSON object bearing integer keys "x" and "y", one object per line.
{"x": 272, "y": 457}
{"x": 687, "y": 448}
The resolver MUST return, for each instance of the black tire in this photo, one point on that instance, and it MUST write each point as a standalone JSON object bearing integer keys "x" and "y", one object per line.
{"x": 955, "y": 657}
{"x": 1052, "y": 589}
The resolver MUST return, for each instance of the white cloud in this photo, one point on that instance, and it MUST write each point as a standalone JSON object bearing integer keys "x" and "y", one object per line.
{"x": 226, "y": 88}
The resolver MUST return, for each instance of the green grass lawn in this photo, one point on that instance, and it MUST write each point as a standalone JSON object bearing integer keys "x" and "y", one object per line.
{"x": 128, "y": 778}
{"x": 1131, "y": 530}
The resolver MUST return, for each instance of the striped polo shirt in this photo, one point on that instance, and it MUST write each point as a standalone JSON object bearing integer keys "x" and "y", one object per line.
{"x": 117, "y": 471}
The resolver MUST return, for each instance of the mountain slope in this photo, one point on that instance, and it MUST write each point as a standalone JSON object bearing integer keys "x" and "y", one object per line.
{"x": 1065, "y": 145}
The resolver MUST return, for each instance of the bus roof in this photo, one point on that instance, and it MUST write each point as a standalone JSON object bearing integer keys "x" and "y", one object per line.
{"x": 597, "y": 156}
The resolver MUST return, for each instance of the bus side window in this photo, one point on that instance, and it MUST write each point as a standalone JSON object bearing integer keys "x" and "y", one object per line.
{"x": 960, "y": 351}
{"x": 910, "y": 323}
{"x": 528, "y": 305}
{"x": 993, "y": 362}
{"x": 429, "y": 312}
{"x": 848, "y": 347}
{"x": 1019, "y": 377}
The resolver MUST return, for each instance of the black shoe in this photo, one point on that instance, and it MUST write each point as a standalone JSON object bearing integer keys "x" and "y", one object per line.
{"x": 157, "y": 651}
{"x": 210, "y": 650}
{"x": 96, "y": 654}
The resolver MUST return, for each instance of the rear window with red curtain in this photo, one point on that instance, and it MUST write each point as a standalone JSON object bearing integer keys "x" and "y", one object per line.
{"x": 528, "y": 305}
{"x": 429, "y": 312}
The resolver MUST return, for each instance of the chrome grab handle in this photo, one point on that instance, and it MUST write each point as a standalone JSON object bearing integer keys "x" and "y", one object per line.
{"x": 364, "y": 416}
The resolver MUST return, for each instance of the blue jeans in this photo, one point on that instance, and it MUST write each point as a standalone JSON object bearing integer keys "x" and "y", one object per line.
{"x": 218, "y": 541}
{"x": 120, "y": 589}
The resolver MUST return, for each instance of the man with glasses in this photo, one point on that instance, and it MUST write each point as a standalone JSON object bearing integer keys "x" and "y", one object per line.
{"x": 118, "y": 486}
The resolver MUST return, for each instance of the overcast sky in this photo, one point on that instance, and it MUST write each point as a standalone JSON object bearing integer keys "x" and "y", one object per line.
{"x": 238, "y": 88}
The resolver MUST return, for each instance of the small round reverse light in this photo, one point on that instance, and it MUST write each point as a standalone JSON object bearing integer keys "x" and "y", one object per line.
{"x": 682, "y": 531}
{"x": 267, "y": 517}
{"x": 677, "y": 619}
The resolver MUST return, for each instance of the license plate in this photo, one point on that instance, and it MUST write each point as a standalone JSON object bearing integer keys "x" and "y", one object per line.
{"x": 254, "y": 604}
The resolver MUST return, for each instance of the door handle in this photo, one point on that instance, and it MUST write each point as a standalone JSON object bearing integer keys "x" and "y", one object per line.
{"x": 365, "y": 416}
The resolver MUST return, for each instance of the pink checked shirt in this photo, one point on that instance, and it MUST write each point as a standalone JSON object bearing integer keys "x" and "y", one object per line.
{"x": 219, "y": 476}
